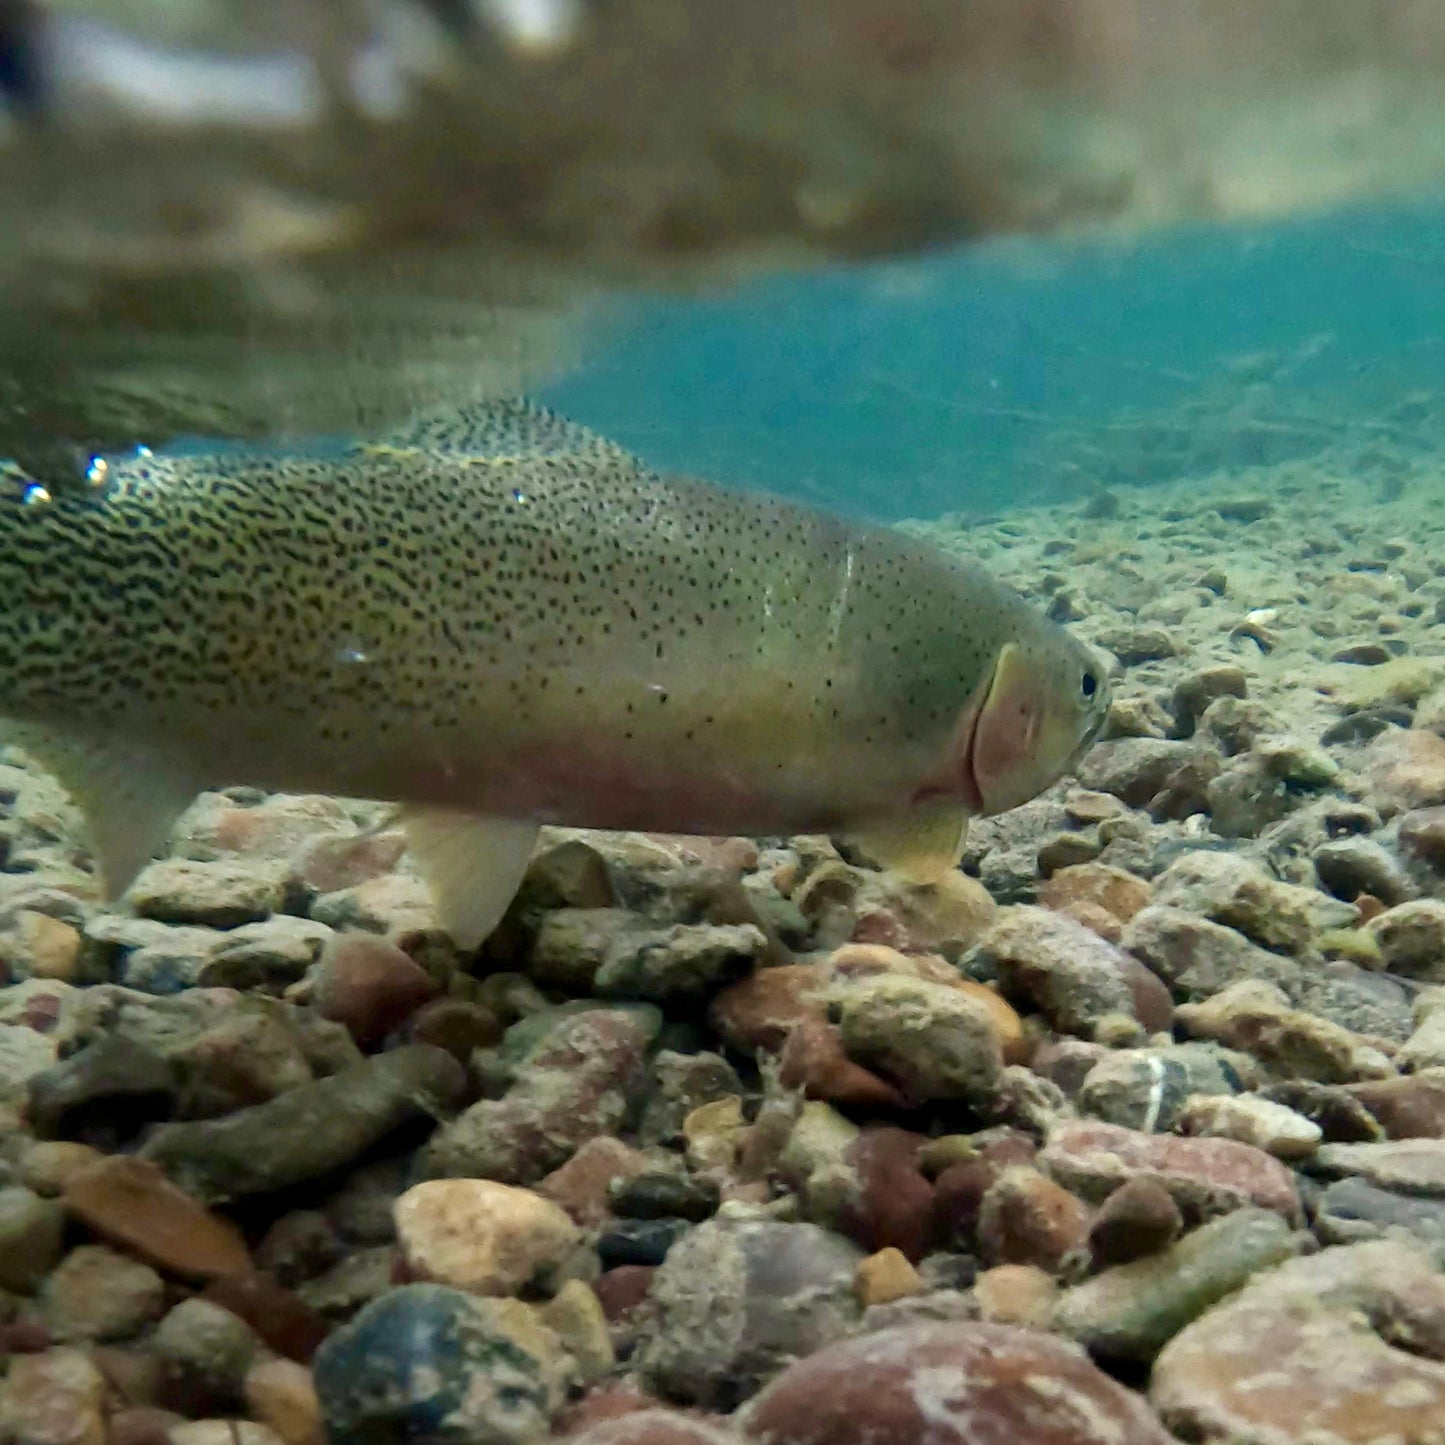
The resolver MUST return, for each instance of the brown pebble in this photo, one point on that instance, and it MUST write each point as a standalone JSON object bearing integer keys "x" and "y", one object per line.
{"x": 1153, "y": 1003}
{"x": 134, "y": 1376}
{"x": 622, "y": 1289}
{"x": 50, "y": 1163}
{"x": 143, "y": 1425}
{"x": 1016, "y": 1294}
{"x": 1207, "y": 1177}
{"x": 282, "y": 1319}
{"x": 23, "y": 1337}
{"x": 1026, "y": 1218}
{"x": 813, "y": 1059}
{"x": 1094, "y": 916}
{"x": 959, "y": 1190}
{"x": 758, "y": 1012}
{"x": 1004, "y": 1386}
{"x": 455, "y": 1025}
{"x": 1112, "y": 889}
{"x": 658, "y": 1427}
{"x": 1367, "y": 906}
{"x": 298, "y": 1247}
{"x": 1407, "y": 1108}
{"x": 1422, "y": 833}
{"x": 370, "y": 986}
{"x": 131, "y": 1202}
{"x": 894, "y": 1203}
{"x": 330, "y": 863}
{"x": 1067, "y": 1062}
{"x": 597, "y": 1406}
{"x": 1341, "y": 1346}
{"x": 280, "y": 1393}
{"x": 1140, "y": 1217}
{"x": 885, "y": 1277}
{"x": 583, "y": 1185}
{"x": 52, "y": 945}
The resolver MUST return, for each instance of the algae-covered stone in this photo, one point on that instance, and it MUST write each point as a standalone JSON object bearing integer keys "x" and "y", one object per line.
{"x": 1411, "y": 938}
{"x": 1147, "y": 1088}
{"x": 1273, "y": 1127}
{"x": 1350, "y": 1211}
{"x": 435, "y": 1366}
{"x": 576, "y": 1075}
{"x": 574, "y": 1314}
{"x": 1256, "y": 1018}
{"x": 1071, "y": 974}
{"x": 614, "y": 953}
{"x": 1197, "y": 957}
{"x": 1233, "y": 891}
{"x": 221, "y": 893}
{"x": 208, "y": 1346}
{"x": 309, "y": 1131}
{"x": 686, "y": 960}
{"x": 30, "y": 1237}
{"x": 1425, "y": 1048}
{"x": 54, "y": 1398}
{"x": 736, "y": 1300}
{"x": 97, "y": 1294}
{"x": 933, "y": 1041}
{"x": 1130, "y": 1311}
{"x": 103, "y": 1093}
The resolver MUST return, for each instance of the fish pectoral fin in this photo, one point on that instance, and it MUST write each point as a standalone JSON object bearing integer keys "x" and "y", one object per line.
{"x": 921, "y": 846}
{"x": 130, "y": 795}
{"x": 473, "y": 865}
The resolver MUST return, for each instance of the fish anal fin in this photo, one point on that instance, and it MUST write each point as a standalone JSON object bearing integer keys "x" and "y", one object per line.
{"x": 921, "y": 846}
{"x": 473, "y": 865}
{"x": 129, "y": 794}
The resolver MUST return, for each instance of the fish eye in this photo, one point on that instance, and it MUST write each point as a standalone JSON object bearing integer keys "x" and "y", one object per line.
{"x": 1089, "y": 683}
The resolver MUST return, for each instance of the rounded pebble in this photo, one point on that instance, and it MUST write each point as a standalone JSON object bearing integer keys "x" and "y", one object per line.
{"x": 953, "y": 1384}
{"x": 434, "y": 1366}
{"x": 489, "y": 1238}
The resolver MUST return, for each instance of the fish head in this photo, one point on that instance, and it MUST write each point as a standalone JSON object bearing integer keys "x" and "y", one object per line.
{"x": 1045, "y": 703}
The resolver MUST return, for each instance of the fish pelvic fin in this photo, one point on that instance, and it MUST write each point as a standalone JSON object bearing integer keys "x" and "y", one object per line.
{"x": 130, "y": 795}
{"x": 922, "y": 846}
{"x": 473, "y": 866}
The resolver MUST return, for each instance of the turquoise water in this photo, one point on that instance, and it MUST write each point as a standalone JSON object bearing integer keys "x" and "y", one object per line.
{"x": 1026, "y": 371}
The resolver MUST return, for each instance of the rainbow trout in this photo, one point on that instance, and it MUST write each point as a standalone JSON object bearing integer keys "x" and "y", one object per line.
{"x": 499, "y": 620}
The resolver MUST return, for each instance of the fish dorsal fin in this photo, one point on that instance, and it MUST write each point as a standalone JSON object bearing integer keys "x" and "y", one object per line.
{"x": 473, "y": 865}
{"x": 921, "y": 846}
{"x": 130, "y": 796}
{"x": 515, "y": 428}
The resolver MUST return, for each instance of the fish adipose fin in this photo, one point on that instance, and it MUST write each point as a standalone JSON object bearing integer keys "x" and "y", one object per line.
{"x": 473, "y": 865}
{"x": 130, "y": 795}
{"x": 922, "y": 846}
{"x": 517, "y": 430}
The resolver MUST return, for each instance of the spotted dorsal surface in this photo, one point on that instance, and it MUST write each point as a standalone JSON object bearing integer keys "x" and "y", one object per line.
{"x": 514, "y": 429}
